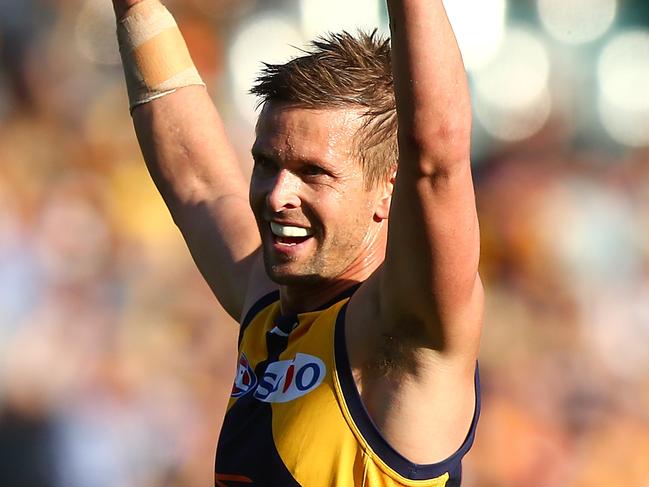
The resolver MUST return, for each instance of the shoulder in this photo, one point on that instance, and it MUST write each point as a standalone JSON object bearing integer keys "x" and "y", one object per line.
{"x": 421, "y": 401}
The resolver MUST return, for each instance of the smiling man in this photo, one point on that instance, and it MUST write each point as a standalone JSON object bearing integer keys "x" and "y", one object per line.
{"x": 351, "y": 260}
{"x": 319, "y": 221}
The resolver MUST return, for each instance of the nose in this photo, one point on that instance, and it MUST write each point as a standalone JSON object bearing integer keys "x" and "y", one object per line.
{"x": 284, "y": 192}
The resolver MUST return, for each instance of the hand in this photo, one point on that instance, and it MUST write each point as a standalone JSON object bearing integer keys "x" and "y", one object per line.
{"x": 121, "y": 6}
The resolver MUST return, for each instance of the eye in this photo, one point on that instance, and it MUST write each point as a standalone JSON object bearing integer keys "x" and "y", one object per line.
{"x": 264, "y": 165}
{"x": 313, "y": 170}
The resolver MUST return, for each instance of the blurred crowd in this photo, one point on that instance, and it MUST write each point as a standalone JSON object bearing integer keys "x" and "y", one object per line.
{"x": 116, "y": 360}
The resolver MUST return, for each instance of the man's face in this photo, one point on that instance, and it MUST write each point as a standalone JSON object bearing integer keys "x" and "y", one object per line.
{"x": 307, "y": 192}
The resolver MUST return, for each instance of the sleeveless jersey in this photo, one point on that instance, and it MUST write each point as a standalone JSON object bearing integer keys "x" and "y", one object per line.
{"x": 295, "y": 417}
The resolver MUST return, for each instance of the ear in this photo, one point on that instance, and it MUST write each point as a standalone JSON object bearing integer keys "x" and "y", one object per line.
{"x": 382, "y": 210}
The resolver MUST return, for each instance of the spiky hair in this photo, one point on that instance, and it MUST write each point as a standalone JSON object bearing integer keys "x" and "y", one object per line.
{"x": 340, "y": 71}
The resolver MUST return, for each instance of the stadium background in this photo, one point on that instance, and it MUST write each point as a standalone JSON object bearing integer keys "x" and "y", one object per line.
{"x": 114, "y": 357}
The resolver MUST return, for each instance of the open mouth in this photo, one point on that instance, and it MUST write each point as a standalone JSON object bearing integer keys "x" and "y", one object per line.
{"x": 290, "y": 235}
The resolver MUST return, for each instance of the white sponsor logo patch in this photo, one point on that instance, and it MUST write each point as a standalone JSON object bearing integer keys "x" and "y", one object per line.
{"x": 286, "y": 380}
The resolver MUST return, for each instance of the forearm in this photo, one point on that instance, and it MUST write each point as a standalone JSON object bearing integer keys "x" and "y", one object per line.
{"x": 179, "y": 130}
{"x": 197, "y": 174}
{"x": 186, "y": 149}
{"x": 433, "y": 104}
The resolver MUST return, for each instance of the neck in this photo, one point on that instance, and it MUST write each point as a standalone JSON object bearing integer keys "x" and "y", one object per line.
{"x": 304, "y": 298}
{"x": 298, "y": 299}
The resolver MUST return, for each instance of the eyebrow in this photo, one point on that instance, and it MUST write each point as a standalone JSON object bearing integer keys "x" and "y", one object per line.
{"x": 258, "y": 152}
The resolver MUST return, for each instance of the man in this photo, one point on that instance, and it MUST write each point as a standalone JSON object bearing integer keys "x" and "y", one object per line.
{"x": 357, "y": 286}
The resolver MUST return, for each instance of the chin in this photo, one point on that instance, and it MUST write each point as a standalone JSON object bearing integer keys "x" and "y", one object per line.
{"x": 279, "y": 274}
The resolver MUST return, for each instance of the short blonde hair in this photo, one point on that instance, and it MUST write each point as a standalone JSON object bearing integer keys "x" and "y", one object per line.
{"x": 339, "y": 71}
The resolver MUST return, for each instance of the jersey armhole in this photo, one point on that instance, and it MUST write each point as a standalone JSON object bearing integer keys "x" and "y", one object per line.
{"x": 371, "y": 434}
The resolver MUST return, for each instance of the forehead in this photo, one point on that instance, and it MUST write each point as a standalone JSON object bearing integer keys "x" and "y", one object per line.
{"x": 291, "y": 132}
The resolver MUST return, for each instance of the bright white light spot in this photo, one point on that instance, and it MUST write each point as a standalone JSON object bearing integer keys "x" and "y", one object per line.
{"x": 479, "y": 26}
{"x": 623, "y": 73}
{"x": 577, "y": 21}
{"x": 512, "y": 98}
{"x": 266, "y": 38}
{"x": 513, "y": 125}
{"x": 626, "y": 126}
{"x": 95, "y": 32}
{"x": 320, "y": 17}
{"x": 624, "y": 70}
{"x": 518, "y": 74}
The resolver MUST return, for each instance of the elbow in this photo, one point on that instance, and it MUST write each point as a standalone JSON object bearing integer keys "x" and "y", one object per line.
{"x": 436, "y": 149}
{"x": 184, "y": 200}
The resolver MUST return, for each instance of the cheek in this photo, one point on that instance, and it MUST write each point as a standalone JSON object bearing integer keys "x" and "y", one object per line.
{"x": 352, "y": 216}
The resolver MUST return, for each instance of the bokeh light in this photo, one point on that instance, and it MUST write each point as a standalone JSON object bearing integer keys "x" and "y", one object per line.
{"x": 514, "y": 124}
{"x": 513, "y": 100}
{"x": 627, "y": 127}
{"x": 479, "y": 26}
{"x": 95, "y": 32}
{"x": 318, "y": 17}
{"x": 623, "y": 73}
{"x": 267, "y": 38}
{"x": 577, "y": 21}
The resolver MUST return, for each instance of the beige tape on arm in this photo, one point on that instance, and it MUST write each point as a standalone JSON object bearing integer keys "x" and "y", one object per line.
{"x": 154, "y": 54}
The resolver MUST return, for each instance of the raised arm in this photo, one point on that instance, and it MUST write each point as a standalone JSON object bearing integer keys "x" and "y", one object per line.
{"x": 414, "y": 328}
{"x": 187, "y": 152}
{"x": 431, "y": 268}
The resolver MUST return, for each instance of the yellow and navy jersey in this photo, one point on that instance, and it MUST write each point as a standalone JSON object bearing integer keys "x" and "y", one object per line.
{"x": 295, "y": 417}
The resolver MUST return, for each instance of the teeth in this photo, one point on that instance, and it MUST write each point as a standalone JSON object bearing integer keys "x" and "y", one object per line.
{"x": 286, "y": 231}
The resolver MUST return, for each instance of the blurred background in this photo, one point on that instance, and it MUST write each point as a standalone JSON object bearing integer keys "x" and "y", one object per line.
{"x": 115, "y": 360}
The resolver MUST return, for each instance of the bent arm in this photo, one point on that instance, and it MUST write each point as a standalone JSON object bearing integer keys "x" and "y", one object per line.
{"x": 431, "y": 268}
{"x": 194, "y": 168}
